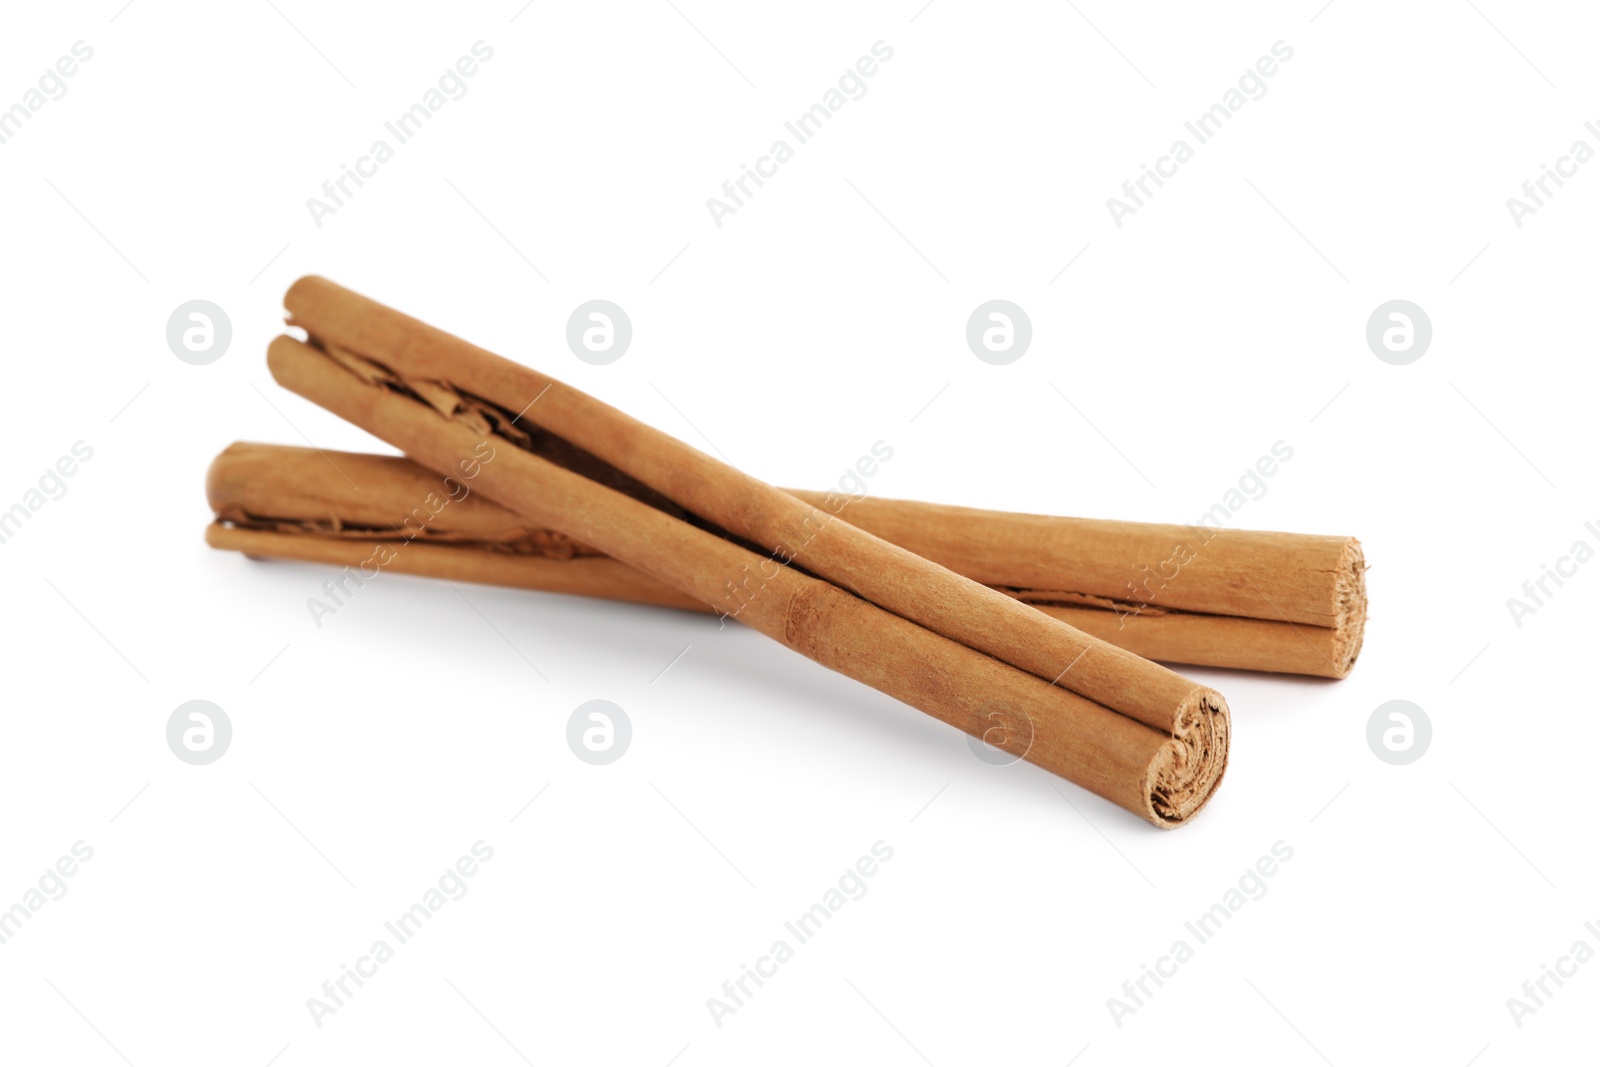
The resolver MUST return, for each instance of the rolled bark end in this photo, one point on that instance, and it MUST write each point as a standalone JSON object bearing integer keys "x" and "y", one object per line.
{"x": 1189, "y": 767}
{"x": 1350, "y": 602}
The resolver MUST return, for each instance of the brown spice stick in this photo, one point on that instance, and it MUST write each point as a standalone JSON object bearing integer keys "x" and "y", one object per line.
{"x": 1291, "y": 603}
{"x": 451, "y": 371}
{"x": 295, "y": 503}
{"x": 1126, "y": 728}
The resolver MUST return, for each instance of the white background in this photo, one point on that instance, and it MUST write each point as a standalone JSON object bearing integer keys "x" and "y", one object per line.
{"x": 827, "y": 314}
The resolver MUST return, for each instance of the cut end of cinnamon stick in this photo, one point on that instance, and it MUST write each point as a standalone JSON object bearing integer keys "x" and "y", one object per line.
{"x": 1350, "y": 599}
{"x": 1190, "y": 767}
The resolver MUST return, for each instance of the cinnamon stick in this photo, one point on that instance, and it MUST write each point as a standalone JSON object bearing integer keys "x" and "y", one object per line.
{"x": 1130, "y": 730}
{"x": 1286, "y": 603}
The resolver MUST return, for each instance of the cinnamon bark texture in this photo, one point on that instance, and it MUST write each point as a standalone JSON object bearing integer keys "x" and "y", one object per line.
{"x": 1122, "y": 726}
{"x": 1287, "y": 603}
